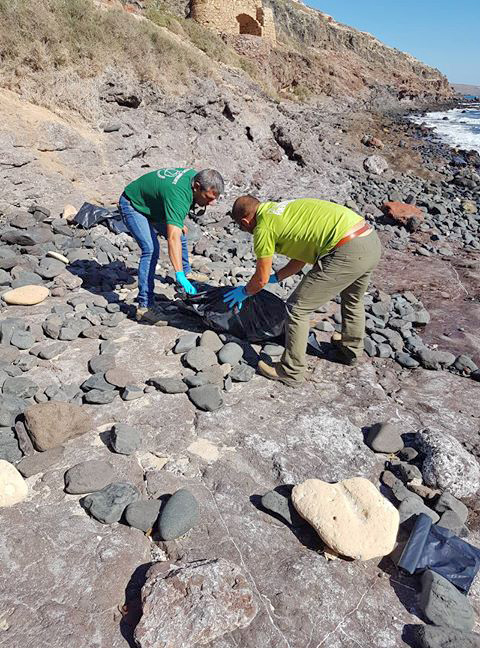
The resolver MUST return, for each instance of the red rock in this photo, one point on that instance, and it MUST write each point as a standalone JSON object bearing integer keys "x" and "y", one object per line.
{"x": 403, "y": 214}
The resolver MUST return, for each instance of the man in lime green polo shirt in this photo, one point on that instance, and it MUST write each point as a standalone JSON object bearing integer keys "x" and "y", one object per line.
{"x": 343, "y": 249}
{"x": 158, "y": 203}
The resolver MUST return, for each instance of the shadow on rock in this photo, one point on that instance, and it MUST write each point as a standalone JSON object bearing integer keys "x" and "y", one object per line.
{"x": 405, "y": 587}
{"x": 132, "y": 607}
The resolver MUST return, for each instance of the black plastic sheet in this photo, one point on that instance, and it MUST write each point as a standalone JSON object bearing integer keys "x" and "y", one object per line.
{"x": 90, "y": 215}
{"x": 262, "y": 316}
{"x": 433, "y": 547}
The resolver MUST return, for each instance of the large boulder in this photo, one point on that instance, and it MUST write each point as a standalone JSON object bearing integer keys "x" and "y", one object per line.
{"x": 403, "y": 214}
{"x": 51, "y": 424}
{"x": 351, "y": 517}
{"x": 447, "y": 465}
{"x": 193, "y": 605}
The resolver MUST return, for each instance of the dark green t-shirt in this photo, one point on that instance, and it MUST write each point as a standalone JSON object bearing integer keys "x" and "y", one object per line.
{"x": 163, "y": 196}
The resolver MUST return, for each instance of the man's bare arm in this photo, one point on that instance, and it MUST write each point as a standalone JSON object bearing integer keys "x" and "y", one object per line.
{"x": 175, "y": 247}
{"x": 261, "y": 276}
{"x": 292, "y": 268}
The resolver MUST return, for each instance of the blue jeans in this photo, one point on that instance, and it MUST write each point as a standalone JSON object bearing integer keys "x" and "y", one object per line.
{"x": 146, "y": 235}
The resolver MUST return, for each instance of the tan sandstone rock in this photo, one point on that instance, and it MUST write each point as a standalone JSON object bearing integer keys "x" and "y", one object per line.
{"x": 50, "y": 424}
{"x": 26, "y": 295}
{"x": 69, "y": 213}
{"x": 351, "y": 517}
{"x": 13, "y": 488}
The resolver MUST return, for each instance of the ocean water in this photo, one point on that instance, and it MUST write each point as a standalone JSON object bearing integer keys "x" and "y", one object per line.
{"x": 461, "y": 130}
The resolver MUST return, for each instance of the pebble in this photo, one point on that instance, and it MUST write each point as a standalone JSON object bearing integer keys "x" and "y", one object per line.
{"x": 210, "y": 340}
{"x": 206, "y": 397}
{"x": 185, "y": 343}
{"x": 100, "y": 397}
{"x": 13, "y": 488}
{"x": 179, "y": 515}
{"x": 211, "y": 376}
{"x": 132, "y": 392}
{"x": 142, "y": 514}
{"x": 97, "y": 381}
{"x": 434, "y": 637}
{"x": 384, "y": 437}
{"x": 107, "y": 505}
{"x": 101, "y": 363}
{"x": 88, "y": 476}
{"x": 443, "y": 604}
{"x": 405, "y": 360}
{"x": 231, "y": 353}
{"x": 22, "y": 340}
{"x": 242, "y": 373}
{"x": 447, "y": 502}
{"x": 435, "y": 360}
{"x": 26, "y": 295}
{"x": 279, "y": 501}
{"x": 408, "y": 454}
{"x": 169, "y": 385}
{"x": 413, "y": 506}
{"x": 409, "y": 472}
{"x": 124, "y": 439}
{"x": 200, "y": 358}
{"x": 118, "y": 376}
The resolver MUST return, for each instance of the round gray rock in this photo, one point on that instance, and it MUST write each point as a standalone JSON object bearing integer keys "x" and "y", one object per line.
{"x": 384, "y": 437}
{"x": 210, "y": 340}
{"x": 185, "y": 343}
{"x": 107, "y": 505}
{"x": 231, "y": 353}
{"x": 88, "y": 476}
{"x": 101, "y": 363}
{"x": 242, "y": 373}
{"x": 142, "y": 514}
{"x": 179, "y": 515}
{"x": 206, "y": 397}
{"x": 200, "y": 358}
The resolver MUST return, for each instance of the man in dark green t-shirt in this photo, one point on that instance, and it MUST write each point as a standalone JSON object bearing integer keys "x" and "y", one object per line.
{"x": 158, "y": 203}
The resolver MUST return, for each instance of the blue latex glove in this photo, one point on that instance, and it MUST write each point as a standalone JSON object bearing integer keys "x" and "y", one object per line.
{"x": 184, "y": 282}
{"x": 235, "y": 297}
{"x": 273, "y": 279}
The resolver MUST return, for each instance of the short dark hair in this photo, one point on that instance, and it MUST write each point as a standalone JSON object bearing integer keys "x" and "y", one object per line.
{"x": 243, "y": 207}
{"x": 210, "y": 179}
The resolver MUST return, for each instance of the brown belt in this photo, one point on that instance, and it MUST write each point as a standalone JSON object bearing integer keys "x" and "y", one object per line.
{"x": 353, "y": 235}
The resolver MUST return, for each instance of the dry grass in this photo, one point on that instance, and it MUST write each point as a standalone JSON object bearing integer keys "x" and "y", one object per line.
{"x": 58, "y": 35}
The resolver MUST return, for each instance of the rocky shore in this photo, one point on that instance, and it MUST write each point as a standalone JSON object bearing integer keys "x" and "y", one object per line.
{"x": 155, "y": 489}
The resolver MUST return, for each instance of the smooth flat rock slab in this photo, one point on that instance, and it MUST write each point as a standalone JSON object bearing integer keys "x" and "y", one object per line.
{"x": 19, "y": 387}
{"x": 119, "y": 377}
{"x": 107, "y": 505}
{"x": 200, "y": 358}
{"x": 242, "y": 373}
{"x": 185, "y": 343}
{"x": 169, "y": 385}
{"x": 100, "y": 396}
{"x": 88, "y": 476}
{"x": 50, "y": 424}
{"x": 101, "y": 363}
{"x": 179, "y": 515}
{"x": 172, "y": 596}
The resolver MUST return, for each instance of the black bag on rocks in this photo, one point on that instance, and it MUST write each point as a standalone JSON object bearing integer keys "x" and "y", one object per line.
{"x": 90, "y": 215}
{"x": 262, "y": 317}
{"x": 433, "y": 547}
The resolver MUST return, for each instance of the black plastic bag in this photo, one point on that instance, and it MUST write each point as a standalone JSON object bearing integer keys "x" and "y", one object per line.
{"x": 89, "y": 215}
{"x": 433, "y": 547}
{"x": 262, "y": 317}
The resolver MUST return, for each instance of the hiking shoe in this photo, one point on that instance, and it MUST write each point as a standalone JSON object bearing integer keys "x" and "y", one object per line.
{"x": 274, "y": 373}
{"x": 150, "y": 316}
{"x": 343, "y": 356}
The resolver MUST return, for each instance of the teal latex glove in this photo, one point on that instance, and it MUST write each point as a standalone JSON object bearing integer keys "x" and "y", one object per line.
{"x": 273, "y": 279}
{"x": 235, "y": 297}
{"x": 184, "y": 282}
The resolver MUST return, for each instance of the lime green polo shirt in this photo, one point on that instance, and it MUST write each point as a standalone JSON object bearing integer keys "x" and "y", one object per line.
{"x": 303, "y": 229}
{"x": 163, "y": 196}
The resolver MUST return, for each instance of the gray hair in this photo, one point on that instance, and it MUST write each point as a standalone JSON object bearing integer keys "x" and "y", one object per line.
{"x": 210, "y": 179}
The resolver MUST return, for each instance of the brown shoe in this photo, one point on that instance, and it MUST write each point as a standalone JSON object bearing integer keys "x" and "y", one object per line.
{"x": 274, "y": 373}
{"x": 150, "y": 316}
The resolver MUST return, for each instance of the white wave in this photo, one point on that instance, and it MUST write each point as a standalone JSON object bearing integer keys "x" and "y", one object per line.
{"x": 461, "y": 130}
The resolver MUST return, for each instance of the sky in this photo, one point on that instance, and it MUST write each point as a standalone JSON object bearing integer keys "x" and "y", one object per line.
{"x": 443, "y": 34}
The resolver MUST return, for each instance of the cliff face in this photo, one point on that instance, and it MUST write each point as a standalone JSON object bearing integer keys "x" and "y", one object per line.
{"x": 315, "y": 55}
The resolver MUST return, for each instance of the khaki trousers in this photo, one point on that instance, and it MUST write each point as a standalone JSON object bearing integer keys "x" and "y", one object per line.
{"x": 345, "y": 271}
